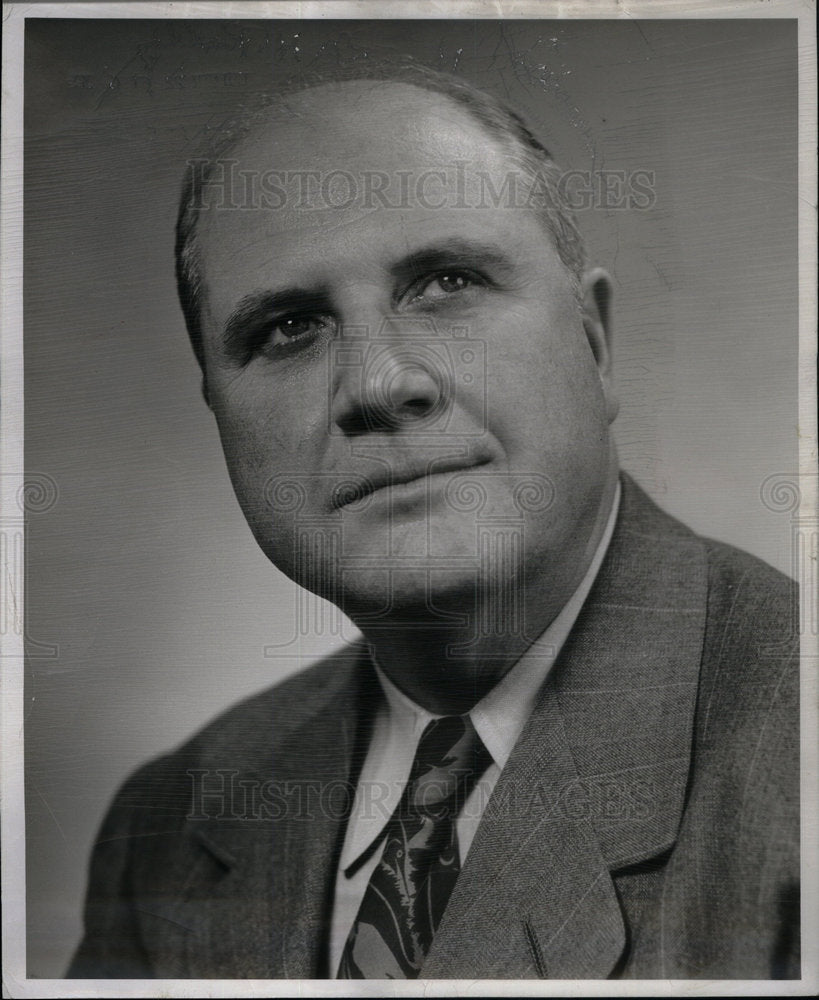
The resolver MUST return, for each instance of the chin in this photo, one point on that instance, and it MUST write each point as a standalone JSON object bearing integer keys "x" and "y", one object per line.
{"x": 406, "y": 596}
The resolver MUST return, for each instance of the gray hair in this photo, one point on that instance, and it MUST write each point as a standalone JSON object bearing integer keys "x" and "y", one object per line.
{"x": 499, "y": 121}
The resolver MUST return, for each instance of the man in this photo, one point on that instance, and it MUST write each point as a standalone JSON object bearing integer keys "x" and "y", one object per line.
{"x": 567, "y": 746}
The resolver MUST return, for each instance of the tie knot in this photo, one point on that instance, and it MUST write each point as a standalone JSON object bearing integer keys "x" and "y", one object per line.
{"x": 450, "y": 758}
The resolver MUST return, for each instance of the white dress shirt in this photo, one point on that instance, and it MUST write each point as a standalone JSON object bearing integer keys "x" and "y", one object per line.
{"x": 498, "y": 718}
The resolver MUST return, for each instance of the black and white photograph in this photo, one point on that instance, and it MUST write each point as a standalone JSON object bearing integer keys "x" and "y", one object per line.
{"x": 409, "y": 526}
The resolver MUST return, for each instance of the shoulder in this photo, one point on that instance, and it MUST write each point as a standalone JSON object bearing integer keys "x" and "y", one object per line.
{"x": 749, "y": 597}
{"x": 745, "y": 598}
{"x": 242, "y": 741}
{"x": 270, "y": 717}
{"x": 744, "y": 767}
{"x": 746, "y": 728}
{"x": 750, "y": 665}
{"x": 748, "y": 644}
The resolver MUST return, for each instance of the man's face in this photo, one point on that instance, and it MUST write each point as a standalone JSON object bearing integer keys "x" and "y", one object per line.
{"x": 409, "y": 403}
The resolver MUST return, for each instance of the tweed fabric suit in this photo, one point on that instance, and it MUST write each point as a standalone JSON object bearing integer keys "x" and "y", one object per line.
{"x": 645, "y": 825}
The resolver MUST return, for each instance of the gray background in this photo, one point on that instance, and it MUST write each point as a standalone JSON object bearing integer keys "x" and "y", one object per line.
{"x": 143, "y": 576}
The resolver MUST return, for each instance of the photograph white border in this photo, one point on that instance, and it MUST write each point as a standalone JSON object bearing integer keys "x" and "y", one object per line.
{"x": 15, "y": 983}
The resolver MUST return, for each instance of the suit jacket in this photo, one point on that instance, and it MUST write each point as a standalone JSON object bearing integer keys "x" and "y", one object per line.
{"x": 645, "y": 826}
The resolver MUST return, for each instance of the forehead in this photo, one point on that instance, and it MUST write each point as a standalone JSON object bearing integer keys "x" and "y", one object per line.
{"x": 368, "y": 124}
{"x": 346, "y": 176}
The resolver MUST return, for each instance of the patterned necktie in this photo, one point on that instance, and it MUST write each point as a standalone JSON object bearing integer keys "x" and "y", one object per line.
{"x": 411, "y": 884}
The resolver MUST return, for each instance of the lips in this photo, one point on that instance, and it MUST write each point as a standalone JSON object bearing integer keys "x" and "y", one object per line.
{"x": 356, "y": 488}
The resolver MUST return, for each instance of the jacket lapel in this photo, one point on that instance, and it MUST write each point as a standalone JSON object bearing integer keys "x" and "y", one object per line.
{"x": 258, "y": 895}
{"x": 308, "y": 844}
{"x": 597, "y": 780}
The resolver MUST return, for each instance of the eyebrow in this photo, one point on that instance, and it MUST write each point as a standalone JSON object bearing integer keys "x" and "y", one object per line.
{"x": 451, "y": 252}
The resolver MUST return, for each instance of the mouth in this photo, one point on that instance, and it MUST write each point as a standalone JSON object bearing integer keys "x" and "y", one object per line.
{"x": 383, "y": 480}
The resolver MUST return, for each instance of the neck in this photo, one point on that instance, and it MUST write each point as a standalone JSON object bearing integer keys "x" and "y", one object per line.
{"x": 448, "y": 660}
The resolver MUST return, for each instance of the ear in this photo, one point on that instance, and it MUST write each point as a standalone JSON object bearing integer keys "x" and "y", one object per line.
{"x": 596, "y": 290}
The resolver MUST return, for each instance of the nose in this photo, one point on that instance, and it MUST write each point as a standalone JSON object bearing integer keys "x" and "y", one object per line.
{"x": 385, "y": 384}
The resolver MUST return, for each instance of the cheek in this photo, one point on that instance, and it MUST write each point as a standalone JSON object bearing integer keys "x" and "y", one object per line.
{"x": 263, "y": 423}
{"x": 274, "y": 443}
{"x": 258, "y": 461}
{"x": 253, "y": 448}
{"x": 542, "y": 380}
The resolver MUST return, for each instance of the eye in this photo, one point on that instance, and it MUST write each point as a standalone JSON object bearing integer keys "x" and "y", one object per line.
{"x": 289, "y": 330}
{"x": 447, "y": 284}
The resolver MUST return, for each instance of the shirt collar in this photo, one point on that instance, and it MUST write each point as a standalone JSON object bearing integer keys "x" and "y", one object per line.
{"x": 499, "y": 717}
